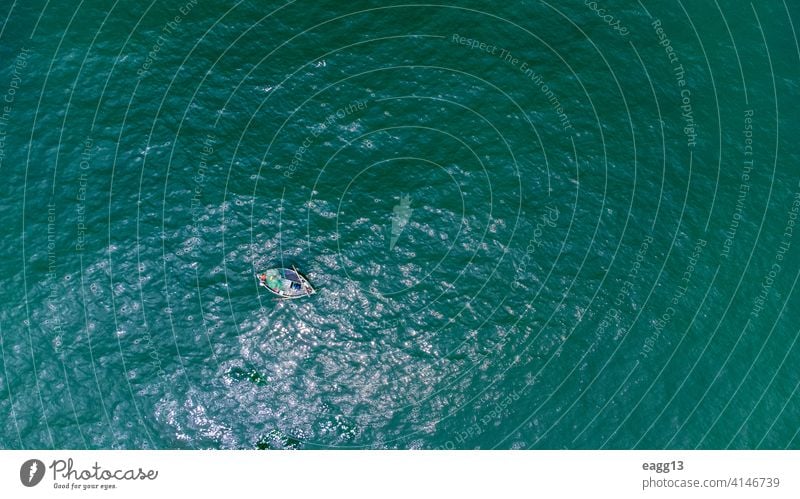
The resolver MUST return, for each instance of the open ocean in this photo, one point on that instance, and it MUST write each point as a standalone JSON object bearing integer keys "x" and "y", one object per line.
{"x": 546, "y": 225}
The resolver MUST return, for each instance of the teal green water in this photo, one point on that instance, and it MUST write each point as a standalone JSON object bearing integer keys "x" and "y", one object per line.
{"x": 537, "y": 225}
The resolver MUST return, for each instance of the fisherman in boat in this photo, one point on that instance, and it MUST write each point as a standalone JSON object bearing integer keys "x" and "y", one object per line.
{"x": 286, "y": 283}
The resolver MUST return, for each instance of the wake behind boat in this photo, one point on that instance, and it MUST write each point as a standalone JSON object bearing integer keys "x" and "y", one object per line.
{"x": 286, "y": 283}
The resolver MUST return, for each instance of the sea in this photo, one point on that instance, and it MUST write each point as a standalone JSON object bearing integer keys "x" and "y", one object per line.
{"x": 529, "y": 224}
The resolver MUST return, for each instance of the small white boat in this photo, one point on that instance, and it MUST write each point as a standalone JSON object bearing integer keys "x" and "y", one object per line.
{"x": 286, "y": 283}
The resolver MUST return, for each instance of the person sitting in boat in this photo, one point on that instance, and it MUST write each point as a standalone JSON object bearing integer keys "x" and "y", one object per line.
{"x": 263, "y": 278}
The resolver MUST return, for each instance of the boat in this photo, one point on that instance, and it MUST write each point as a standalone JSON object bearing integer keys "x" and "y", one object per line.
{"x": 286, "y": 283}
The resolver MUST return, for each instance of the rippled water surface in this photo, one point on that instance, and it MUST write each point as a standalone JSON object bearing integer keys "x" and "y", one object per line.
{"x": 529, "y": 225}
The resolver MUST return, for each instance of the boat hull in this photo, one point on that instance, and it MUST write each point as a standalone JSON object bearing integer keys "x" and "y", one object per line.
{"x": 286, "y": 283}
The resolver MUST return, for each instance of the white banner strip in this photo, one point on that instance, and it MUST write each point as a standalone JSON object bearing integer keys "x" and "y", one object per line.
{"x": 381, "y": 474}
